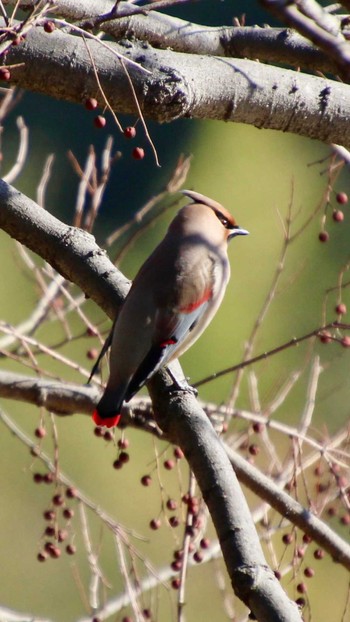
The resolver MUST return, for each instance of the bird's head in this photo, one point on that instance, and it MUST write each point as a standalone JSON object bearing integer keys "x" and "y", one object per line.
{"x": 210, "y": 217}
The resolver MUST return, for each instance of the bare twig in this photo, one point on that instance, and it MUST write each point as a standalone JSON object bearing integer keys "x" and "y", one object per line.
{"x": 22, "y": 152}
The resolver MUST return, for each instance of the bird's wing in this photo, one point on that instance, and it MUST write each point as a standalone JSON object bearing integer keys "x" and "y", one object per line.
{"x": 103, "y": 351}
{"x": 171, "y": 329}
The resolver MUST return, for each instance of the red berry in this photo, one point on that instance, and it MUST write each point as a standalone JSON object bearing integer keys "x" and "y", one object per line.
{"x": 92, "y": 354}
{"x": 300, "y": 602}
{"x": 98, "y": 431}
{"x": 55, "y": 552}
{"x": 58, "y": 500}
{"x": 301, "y": 588}
{"x": 204, "y": 543}
{"x": 174, "y": 521}
{"x": 42, "y": 556}
{"x": 146, "y": 614}
{"x": 40, "y": 432}
{"x": 176, "y": 565}
{"x": 71, "y": 549}
{"x": 138, "y": 153}
{"x": 117, "y": 464}
{"x": 48, "y": 478}
{"x": 49, "y": 26}
{"x": 130, "y": 132}
{"x": 171, "y": 504}
{"x": 52, "y": 550}
{"x": 49, "y": 515}
{"x": 38, "y": 478}
{"x": 198, "y": 557}
{"x": 5, "y": 73}
{"x": 71, "y": 492}
{"x": 319, "y": 554}
{"x": 340, "y": 309}
{"x": 277, "y": 574}
{"x": 338, "y": 215}
{"x": 309, "y": 572}
{"x": 178, "y": 554}
{"x": 124, "y": 457}
{"x": 169, "y": 464}
{"x": 258, "y": 427}
{"x": 323, "y": 236}
{"x": 123, "y": 443}
{"x": 91, "y": 103}
{"x": 345, "y": 520}
{"x": 155, "y": 523}
{"x": 287, "y": 538}
{"x": 50, "y": 531}
{"x": 175, "y": 584}
{"x": 306, "y": 538}
{"x": 91, "y": 331}
{"x": 345, "y": 342}
{"x": 325, "y": 337}
{"x": 342, "y": 198}
{"x": 146, "y": 480}
{"x": 100, "y": 121}
{"x": 108, "y": 435}
{"x": 68, "y": 513}
{"x": 62, "y": 535}
{"x": 178, "y": 453}
{"x": 17, "y": 40}
{"x": 253, "y": 449}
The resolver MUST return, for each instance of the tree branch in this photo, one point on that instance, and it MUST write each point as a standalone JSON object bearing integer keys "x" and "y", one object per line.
{"x": 184, "y": 85}
{"x": 274, "y": 45}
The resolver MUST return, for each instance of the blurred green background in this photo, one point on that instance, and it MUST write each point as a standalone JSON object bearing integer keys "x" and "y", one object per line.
{"x": 256, "y": 174}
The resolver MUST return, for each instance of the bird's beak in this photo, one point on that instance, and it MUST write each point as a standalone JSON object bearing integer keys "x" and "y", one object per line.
{"x": 238, "y": 231}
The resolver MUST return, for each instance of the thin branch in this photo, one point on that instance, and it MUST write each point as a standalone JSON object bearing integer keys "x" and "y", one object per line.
{"x": 22, "y": 152}
{"x": 264, "y": 355}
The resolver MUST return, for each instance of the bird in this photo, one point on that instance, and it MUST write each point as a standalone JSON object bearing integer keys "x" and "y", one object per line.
{"x": 174, "y": 296}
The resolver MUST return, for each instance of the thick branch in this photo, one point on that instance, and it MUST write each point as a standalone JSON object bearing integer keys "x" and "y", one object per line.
{"x": 184, "y": 421}
{"x": 184, "y": 85}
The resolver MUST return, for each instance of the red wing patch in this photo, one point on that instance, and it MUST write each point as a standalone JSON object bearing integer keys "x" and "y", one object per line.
{"x": 194, "y": 305}
{"x": 168, "y": 342}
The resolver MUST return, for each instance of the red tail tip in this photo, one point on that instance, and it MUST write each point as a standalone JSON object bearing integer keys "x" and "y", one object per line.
{"x": 108, "y": 422}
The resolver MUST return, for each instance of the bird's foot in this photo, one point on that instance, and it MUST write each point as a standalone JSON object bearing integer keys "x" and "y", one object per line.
{"x": 181, "y": 384}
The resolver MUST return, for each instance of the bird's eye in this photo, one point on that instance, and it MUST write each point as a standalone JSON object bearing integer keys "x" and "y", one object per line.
{"x": 224, "y": 221}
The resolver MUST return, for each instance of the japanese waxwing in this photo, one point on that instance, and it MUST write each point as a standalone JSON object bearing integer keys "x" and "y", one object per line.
{"x": 173, "y": 298}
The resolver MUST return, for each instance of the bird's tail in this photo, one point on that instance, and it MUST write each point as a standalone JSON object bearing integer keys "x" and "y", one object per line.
{"x": 107, "y": 412}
